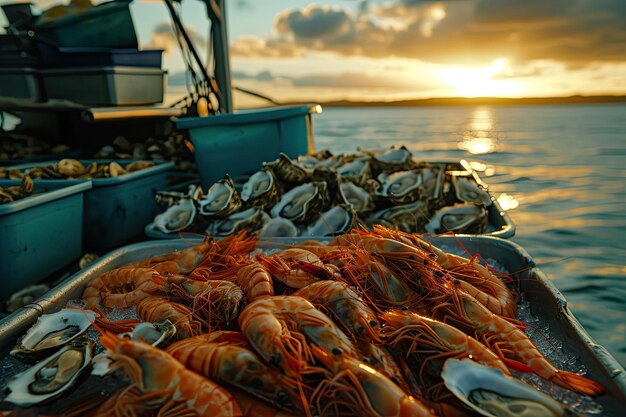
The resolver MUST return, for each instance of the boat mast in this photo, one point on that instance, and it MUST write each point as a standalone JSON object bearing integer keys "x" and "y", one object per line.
{"x": 216, "y": 10}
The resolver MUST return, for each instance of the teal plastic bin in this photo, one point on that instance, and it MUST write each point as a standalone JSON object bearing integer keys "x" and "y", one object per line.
{"x": 117, "y": 209}
{"x": 239, "y": 143}
{"x": 40, "y": 234}
{"x": 108, "y": 25}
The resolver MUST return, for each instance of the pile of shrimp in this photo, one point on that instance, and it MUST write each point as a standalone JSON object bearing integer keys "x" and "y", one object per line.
{"x": 360, "y": 326}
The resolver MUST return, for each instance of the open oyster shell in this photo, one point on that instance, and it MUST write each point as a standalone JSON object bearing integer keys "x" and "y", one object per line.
{"x": 302, "y": 203}
{"x": 221, "y": 200}
{"x": 357, "y": 171}
{"x": 407, "y": 217}
{"x": 288, "y": 171}
{"x": 177, "y": 217}
{"x": 339, "y": 219}
{"x": 251, "y": 220}
{"x": 279, "y": 227}
{"x": 392, "y": 160}
{"x": 461, "y": 218}
{"x": 470, "y": 192}
{"x": 155, "y": 333}
{"x": 356, "y": 196}
{"x": 489, "y": 392}
{"x": 52, "y": 376}
{"x": 51, "y": 331}
{"x": 261, "y": 189}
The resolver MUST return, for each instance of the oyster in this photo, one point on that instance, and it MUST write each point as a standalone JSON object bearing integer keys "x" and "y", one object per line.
{"x": 393, "y": 160}
{"x": 221, "y": 200}
{"x": 50, "y": 377}
{"x": 339, "y": 219}
{"x": 176, "y": 218}
{"x": 431, "y": 182}
{"x": 357, "y": 171}
{"x": 470, "y": 192}
{"x": 261, "y": 189}
{"x": 25, "y": 296}
{"x": 401, "y": 187}
{"x": 52, "y": 331}
{"x": 489, "y": 392}
{"x": 139, "y": 165}
{"x": 288, "y": 171}
{"x": 251, "y": 220}
{"x": 279, "y": 227}
{"x": 70, "y": 168}
{"x": 301, "y": 203}
{"x": 155, "y": 333}
{"x": 360, "y": 199}
{"x": 407, "y": 217}
{"x": 461, "y": 218}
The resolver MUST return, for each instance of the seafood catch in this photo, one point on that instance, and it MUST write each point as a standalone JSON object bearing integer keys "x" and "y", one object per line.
{"x": 221, "y": 200}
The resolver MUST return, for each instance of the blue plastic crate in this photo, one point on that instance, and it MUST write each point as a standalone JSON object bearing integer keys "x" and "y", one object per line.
{"x": 239, "y": 143}
{"x": 40, "y": 234}
{"x": 118, "y": 208}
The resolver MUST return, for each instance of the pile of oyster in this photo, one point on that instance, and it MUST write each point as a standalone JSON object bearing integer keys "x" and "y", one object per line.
{"x": 16, "y": 192}
{"x": 21, "y": 146}
{"x": 326, "y": 194}
{"x": 74, "y": 169}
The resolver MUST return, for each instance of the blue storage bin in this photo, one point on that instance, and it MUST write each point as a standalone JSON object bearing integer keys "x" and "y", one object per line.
{"x": 40, "y": 234}
{"x": 118, "y": 208}
{"x": 239, "y": 143}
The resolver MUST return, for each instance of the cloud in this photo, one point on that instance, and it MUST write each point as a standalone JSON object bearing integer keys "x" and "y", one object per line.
{"x": 162, "y": 37}
{"x": 574, "y": 32}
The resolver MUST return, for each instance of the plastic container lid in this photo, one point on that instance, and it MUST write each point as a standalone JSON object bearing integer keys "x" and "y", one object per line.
{"x": 245, "y": 116}
{"x": 42, "y": 198}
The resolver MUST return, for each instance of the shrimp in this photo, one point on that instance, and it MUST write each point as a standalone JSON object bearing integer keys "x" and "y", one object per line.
{"x": 155, "y": 371}
{"x": 181, "y": 262}
{"x": 216, "y": 301}
{"x": 256, "y": 281}
{"x": 266, "y": 323}
{"x": 379, "y": 358}
{"x": 122, "y": 287}
{"x": 295, "y": 267}
{"x": 345, "y": 305}
{"x": 156, "y": 308}
{"x": 499, "y": 332}
{"x": 414, "y": 333}
{"x": 356, "y": 389}
{"x": 222, "y": 357}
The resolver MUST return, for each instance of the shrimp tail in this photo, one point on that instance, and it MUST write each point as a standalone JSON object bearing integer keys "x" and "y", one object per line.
{"x": 578, "y": 383}
{"x": 517, "y": 365}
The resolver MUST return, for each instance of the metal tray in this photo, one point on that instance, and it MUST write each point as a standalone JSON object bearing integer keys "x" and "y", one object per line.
{"x": 546, "y": 301}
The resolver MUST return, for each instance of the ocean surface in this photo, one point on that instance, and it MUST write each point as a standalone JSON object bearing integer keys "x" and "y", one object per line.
{"x": 561, "y": 171}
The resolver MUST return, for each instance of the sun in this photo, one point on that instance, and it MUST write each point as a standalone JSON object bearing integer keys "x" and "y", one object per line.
{"x": 480, "y": 81}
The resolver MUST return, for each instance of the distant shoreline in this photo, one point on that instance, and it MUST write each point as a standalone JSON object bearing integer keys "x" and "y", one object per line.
{"x": 464, "y": 101}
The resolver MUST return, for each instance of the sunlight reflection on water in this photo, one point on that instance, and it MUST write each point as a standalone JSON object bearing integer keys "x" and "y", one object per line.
{"x": 479, "y": 138}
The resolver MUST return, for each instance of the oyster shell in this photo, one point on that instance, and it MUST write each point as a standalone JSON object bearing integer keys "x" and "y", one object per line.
{"x": 251, "y": 220}
{"x": 489, "y": 392}
{"x": 392, "y": 160}
{"x": 339, "y": 219}
{"x": 360, "y": 199}
{"x": 25, "y": 296}
{"x": 357, "y": 171}
{"x": 176, "y": 218}
{"x": 301, "y": 203}
{"x": 279, "y": 227}
{"x": 401, "y": 187}
{"x": 221, "y": 200}
{"x": 461, "y": 218}
{"x": 155, "y": 333}
{"x": 470, "y": 192}
{"x": 288, "y": 171}
{"x": 50, "y": 377}
{"x": 52, "y": 331}
{"x": 261, "y": 189}
{"x": 407, "y": 217}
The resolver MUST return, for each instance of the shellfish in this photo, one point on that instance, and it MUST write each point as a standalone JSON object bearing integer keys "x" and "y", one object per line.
{"x": 221, "y": 200}
{"x": 392, "y": 160}
{"x": 407, "y": 217}
{"x": 301, "y": 203}
{"x": 356, "y": 196}
{"x": 287, "y": 170}
{"x": 177, "y": 217}
{"x": 251, "y": 220}
{"x": 489, "y": 392}
{"x": 155, "y": 333}
{"x": 338, "y": 219}
{"x": 52, "y": 331}
{"x": 469, "y": 191}
{"x": 50, "y": 377}
{"x": 402, "y": 186}
{"x": 461, "y": 218}
{"x": 261, "y": 189}
{"x": 279, "y": 227}
{"x": 357, "y": 171}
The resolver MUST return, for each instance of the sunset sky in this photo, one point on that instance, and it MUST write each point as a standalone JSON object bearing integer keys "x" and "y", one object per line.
{"x": 396, "y": 49}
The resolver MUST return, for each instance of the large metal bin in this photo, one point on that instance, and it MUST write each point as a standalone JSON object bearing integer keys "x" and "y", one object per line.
{"x": 546, "y": 301}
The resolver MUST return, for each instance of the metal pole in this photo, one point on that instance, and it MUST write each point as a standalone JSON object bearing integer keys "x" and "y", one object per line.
{"x": 222, "y": 59}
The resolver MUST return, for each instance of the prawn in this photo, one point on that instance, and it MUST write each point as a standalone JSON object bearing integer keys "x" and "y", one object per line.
{"x": 266, "y": 323}
{"x": 414, "y": 333}
{"x": 156, "y": 308}
{"x": 122, "y": 287}
{"x": 295, "y": 267}
{"x": 345, "y": 305}
{"x": 498, "y": 332}
{"x": 357, "y": 389}
{"x": 256, "y": 281}
{"x": 225, "y": 358}
{"x": 155, "y": 371}
{"x": 252, "y": 407}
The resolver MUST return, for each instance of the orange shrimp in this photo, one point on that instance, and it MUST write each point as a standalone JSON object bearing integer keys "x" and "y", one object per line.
{"x": 256, "y": 281}
{"x": 122, "y": 287}
{"x": 379, "y": 358}
{"x": 156, "y": 308}
{"x": 498, "y": 332}
{"x": 216, "y": 301}
{"x": 222, "y": 357}
{"x": 345, "y": 305}
{"x": 266, "y": 323}
{"x": 154, "y": 370}
{"x": 357, "y": 389}
{"x": 251, "y": 407}
{"x": 295, "y": 267}
{"x": 179, "y": 262}
{"x": 412, "y": 332}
